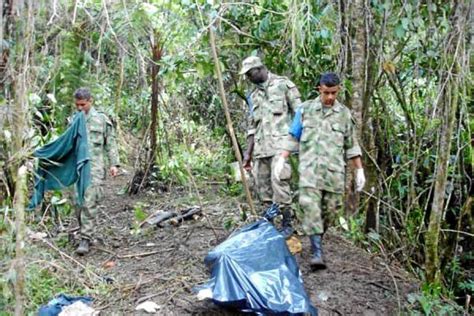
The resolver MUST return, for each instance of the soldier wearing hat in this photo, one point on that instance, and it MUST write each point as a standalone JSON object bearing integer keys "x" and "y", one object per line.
{"x": 272, "y": 104}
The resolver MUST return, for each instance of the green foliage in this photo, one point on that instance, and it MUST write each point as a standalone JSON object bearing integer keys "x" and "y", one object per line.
{"x": 139, "y": 216}
{"x": 229, "y": 223}
{"x": 198, "y": 155}
{"x": 431, "y": 303}
{"x": 233, "y": 189}
{"x": 139, "y": 213}
{"x": 62, "y": 205}
{"x": 43, "y": 283}
{"x": 109, "y": 50}
{"x": 468, "y": 286}
{"x": 233, "y": 220}
{"x": 355, "y": 227}
{"x": 42, "y": 280}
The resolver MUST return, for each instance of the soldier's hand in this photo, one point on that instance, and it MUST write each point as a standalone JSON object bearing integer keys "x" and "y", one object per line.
{"x": 113, "y": 171}
{"x": 246, "y": 162}
{"x": 360, "y": 179}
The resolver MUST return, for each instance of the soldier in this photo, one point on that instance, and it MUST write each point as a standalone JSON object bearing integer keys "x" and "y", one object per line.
{"x": 323, "y": 131}
{"x": 273, "y": 102}
{"x": 102, "y": 148}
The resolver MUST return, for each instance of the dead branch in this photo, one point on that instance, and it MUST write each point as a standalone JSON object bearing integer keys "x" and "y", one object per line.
{"x": 143, "y": 254}
{"x": 65, "y": 255}
{"x": 229, "y": 120}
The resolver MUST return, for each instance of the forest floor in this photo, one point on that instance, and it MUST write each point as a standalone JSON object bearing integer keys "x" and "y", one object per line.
{"x": 164, "y": 264}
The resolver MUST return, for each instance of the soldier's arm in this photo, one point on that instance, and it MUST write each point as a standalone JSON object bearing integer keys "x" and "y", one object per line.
{"x": 293, "y": 97}
{"x": 252, "y": 126}
{"x": 291, "y": 143}
{"x": 351, "y": 144}
{"x": 111, "y": 144}
{"x": 357, "y": 162}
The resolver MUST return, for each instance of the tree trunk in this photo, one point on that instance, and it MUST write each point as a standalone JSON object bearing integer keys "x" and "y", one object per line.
{"x": 359, "y": 43}
{"x": 358, "y": 63}
{"x": 157, "y": 51}
{"x": 19, "y": 263}
{"x": 344, "y": 65}
{"x": 451, "y": 80}
{"x": 374, "y": 51}
{"x": 22, "y": 24}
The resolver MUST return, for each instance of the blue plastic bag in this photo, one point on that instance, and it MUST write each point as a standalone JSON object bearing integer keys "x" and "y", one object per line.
{"x": 55, "y": 306}
{"x": 254, "y": 271}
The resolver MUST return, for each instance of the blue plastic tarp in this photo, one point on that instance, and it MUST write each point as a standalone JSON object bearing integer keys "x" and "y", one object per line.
{"x": 254, "y": 271}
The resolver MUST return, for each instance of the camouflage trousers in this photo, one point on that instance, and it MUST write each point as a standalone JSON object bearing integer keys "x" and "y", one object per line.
{"x": 268, "y": 188}
{"x": 86, "y": 214}
{"x": 318, "y": 210}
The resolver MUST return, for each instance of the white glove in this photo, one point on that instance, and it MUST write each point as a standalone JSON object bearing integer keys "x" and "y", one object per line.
{"x": 278, "y": 167}
{"x": 360, "y": 179}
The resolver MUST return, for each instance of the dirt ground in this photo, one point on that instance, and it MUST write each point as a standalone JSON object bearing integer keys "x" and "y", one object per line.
{"x": 164, "y": 264}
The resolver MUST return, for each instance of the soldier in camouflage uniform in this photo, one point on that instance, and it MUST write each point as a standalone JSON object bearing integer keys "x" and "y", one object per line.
{"x": 273, "y": 102}
{"x": 103, "y": 151}
{"x": 323, "y": 132}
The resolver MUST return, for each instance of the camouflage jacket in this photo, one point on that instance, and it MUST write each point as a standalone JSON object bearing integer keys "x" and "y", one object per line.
{"x": 273, "y": 104}
{"x": 327, "y": 141}
{"x": 102, "y": 144}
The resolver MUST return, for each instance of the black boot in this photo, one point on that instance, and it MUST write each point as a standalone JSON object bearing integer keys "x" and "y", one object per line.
{"x": 83, "y": 247}
{"x": 286, "y": 229}
{"x": 316, "y": 261}
{"x": 271, "y": 211}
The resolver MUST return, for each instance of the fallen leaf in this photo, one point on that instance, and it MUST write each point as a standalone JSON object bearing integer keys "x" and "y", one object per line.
{"x": 294, "y": 245}
{"x": 109, "y": 264}
{"x": 38, "y": 236}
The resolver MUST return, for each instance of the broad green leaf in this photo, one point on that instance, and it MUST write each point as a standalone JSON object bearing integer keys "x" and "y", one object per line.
{"x": 400, "y": 31}
{"x": 343, "y": 223}
{"x": 405, "y": 23}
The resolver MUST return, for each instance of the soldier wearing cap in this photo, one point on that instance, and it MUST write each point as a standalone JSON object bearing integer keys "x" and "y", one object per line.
{"x": 272, "y": 104}
{"x": 324, "y": 134}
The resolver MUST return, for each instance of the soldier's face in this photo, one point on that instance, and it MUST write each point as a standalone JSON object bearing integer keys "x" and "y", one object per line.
{"x": 257, "y": 75}
{"x": 83, "y": 105}
{"x": 328, "y": 94}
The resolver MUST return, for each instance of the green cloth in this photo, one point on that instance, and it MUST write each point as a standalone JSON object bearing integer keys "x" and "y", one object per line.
{"x": 63, "y": 162}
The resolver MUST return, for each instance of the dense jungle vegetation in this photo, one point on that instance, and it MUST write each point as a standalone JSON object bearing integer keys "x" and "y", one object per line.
{"x": 407, "y": 78}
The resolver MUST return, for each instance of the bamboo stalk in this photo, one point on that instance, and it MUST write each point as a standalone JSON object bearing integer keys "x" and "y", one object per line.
{"x": 19, "y": 264}
{"x": 235, "y": 145}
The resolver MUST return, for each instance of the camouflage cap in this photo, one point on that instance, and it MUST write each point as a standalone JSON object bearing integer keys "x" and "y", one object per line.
{"x": 249, "y": 63}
